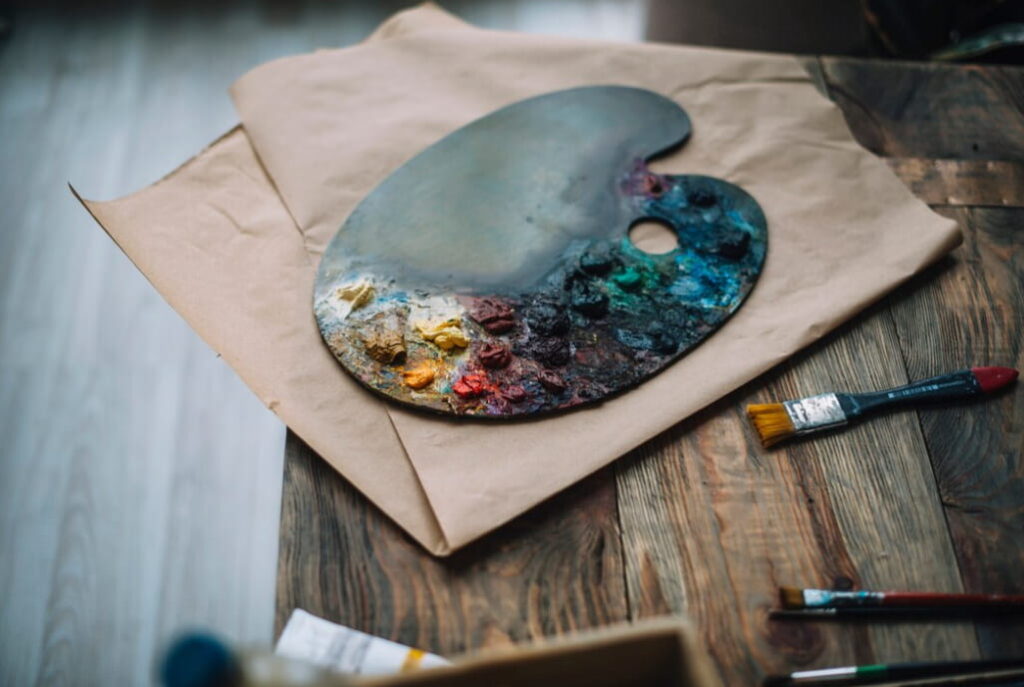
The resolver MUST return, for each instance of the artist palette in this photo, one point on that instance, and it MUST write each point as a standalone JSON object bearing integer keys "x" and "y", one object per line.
{"x": 493, "y": 275}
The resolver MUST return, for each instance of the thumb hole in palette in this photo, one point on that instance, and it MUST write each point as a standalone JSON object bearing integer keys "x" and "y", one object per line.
{"x": 653, "y": 236}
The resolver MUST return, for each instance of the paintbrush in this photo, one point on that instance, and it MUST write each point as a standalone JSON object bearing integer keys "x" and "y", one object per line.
{"x": 778, "y": 421}
{"x": 795, "y": 598}
{"x": 864, "y": 675}
{"x": 901, "y": 614}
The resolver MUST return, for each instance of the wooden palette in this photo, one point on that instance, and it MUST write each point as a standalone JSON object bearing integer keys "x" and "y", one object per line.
{"x": 492, "y": 275}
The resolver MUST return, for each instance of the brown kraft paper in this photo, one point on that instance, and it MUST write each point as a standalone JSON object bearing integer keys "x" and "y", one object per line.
{"x": 232, "y": 239}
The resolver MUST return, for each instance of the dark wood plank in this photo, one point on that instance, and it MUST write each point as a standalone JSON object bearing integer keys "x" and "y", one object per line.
{"x": 713, "y": 524}
{"x": 962, "y": 182}
{"x": 928, "y": 110}
{"x": 972, "y": 314}
{"x": 554, "y": 570}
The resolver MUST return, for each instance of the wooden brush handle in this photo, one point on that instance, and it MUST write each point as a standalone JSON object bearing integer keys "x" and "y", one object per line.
{"x": 937, "y": 599}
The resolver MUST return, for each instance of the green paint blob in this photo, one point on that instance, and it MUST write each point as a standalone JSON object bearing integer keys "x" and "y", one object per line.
{"x": 628, "y": 278}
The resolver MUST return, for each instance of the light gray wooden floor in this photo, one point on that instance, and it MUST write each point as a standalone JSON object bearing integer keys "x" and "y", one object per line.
{"x": 139, "y": 479}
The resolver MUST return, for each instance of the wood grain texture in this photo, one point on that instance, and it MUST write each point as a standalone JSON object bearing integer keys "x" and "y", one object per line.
{"x": 738, "y": 521}
{"x": 962, "y": 182}
{"x": 970, "y": 310}
{"x": 929, "y": 110}
{"x": 554, "y": 570}
{"x": 972, "y": 314}
{"x": 124, "y": 511}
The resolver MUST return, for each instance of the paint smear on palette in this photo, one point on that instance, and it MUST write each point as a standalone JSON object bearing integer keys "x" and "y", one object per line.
{"x": 493, "y": 276}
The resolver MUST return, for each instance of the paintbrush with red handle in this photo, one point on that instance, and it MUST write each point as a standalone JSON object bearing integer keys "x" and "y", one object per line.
{"x": 778, "y": 421}
{"x": 795, "y": 598}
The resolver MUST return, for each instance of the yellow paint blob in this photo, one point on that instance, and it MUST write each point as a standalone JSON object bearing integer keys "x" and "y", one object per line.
{"x": 419, "y": 376}
{"x": 446, "y": 334}
{"x": 358, "y": 294}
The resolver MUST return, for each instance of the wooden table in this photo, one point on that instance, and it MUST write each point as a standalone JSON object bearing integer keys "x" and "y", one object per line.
{"x": 701, "y": 521}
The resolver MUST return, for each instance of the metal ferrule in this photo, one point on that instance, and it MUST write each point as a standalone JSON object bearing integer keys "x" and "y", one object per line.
{"x": 827, "y": 598}
{"x": 815, "y": 412}
{"x": 824, "y": 675}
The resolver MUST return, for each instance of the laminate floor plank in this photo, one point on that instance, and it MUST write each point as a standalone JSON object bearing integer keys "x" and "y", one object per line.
{"x": 139, "y": 478}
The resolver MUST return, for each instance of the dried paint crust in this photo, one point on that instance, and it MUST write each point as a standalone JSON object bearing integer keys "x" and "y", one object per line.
{"x": 607, "y": 318}
{"x": 492, "y": 275}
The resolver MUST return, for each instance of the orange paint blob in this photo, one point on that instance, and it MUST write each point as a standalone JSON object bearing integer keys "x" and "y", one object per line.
{"x": 419, "y": 376}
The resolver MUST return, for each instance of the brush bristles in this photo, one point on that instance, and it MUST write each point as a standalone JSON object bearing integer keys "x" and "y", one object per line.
{"x": 771, "y": 421}
{"x": 791, "y": 597}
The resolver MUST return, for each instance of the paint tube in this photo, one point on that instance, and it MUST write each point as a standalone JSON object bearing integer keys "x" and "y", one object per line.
{"x": 311, "y": 652}
{"x": 328, "y": 645}
{"x": 200, "y": 659}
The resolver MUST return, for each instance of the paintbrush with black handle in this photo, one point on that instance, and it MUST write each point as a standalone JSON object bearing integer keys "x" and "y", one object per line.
{"x": 776, "y": 422}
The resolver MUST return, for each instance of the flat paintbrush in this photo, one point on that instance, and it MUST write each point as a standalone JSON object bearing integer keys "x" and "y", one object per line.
{"x": 778, "y": 421}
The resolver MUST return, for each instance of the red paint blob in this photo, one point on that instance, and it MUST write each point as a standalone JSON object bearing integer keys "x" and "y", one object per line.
{"x": 653, "y": 185}
{"x": 993, "y": 378}
{"x": 494, "y": 356}
{"x": 493, "y": 315}
{"x": 470, "y": 386}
